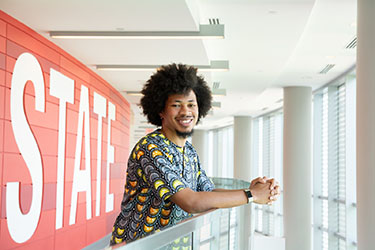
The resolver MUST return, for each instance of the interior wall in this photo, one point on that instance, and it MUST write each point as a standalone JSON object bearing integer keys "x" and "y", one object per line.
{"x": 15, "y": 39}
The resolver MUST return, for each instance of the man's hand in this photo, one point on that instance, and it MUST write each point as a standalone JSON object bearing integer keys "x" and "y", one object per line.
{"x": 264, "y": 191}
{"x": 275, "y": 190}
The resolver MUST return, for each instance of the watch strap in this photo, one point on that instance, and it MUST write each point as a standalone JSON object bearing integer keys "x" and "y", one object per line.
{"x": 249, "y": 195}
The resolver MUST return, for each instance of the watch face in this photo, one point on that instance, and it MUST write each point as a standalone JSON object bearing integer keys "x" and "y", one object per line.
{"x": 248, "y": 193}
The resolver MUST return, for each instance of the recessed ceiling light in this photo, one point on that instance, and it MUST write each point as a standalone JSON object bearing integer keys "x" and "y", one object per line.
{"x": 330, "y": 57}
{"x": 306, "y": 77}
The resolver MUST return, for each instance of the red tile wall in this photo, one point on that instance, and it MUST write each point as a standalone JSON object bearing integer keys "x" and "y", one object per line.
{"x": 15, "y": 39}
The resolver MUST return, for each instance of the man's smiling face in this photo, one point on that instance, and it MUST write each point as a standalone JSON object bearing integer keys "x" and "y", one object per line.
{"x": 180, "y": 115}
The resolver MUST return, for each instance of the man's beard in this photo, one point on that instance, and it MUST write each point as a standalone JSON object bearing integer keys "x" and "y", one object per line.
{"x": 184, "y": 135}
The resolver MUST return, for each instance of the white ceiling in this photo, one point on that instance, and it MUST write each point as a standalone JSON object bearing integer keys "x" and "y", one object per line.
{"x": 269, "y": 43}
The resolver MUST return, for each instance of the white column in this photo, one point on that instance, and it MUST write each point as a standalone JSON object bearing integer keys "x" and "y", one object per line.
{"x": 365, "y": 125}
{"x": 297, "y": 167}
{"x": 242, "y": 170}
{"x": 200, "y": 143}
{"x": 242, "y": 147}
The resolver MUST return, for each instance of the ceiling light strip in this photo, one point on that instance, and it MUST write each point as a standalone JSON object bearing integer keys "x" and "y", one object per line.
{"x": 216, "y": 104}
{"x": 206, "y": 31}
{"x": 215, "y": 92}
{"x": 215, "y": 66}
{"x": 219, "y": 92}
{"x": 133, "y": 93}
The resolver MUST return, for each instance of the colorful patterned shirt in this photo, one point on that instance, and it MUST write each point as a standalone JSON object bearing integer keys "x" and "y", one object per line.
{"x": 157, "y": 169}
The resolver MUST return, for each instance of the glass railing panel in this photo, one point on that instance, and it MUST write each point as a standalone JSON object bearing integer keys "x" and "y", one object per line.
{"x": 183, "y": 243}
{"x": 212, "y": 230}
{"x": 229, "y": 183}
{"x": 186, "y": 231}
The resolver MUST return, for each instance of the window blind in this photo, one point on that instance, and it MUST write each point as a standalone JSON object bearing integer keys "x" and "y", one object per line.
{"x": 330, "y": 190}
{"x": 267, "y": 161}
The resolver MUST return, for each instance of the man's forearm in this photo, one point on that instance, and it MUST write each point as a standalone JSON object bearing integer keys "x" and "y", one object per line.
{"x": 225, "y": 190}
{"x": 197, "y": 202}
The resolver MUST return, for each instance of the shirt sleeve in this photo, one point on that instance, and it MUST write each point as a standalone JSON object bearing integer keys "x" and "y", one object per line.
{"x": 158, "y": 172}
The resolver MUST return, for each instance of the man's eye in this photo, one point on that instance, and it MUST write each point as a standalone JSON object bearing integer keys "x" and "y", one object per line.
{"x": 191, "y": 105}
{"x": 175, "y": 105}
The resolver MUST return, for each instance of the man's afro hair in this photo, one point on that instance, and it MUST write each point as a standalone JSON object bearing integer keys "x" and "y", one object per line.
{"x": 169, "y": 80}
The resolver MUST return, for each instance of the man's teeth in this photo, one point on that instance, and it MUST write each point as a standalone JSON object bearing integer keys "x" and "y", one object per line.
{"x": 185, "y": 121}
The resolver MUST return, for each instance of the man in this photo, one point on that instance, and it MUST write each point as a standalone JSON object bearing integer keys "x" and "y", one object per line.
{"x": 165, "y": 182}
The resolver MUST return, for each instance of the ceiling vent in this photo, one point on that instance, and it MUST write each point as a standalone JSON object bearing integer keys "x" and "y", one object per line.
{"x": 214, "y": 21}
{"x": 216, "y": 85}
{"x": 352, "y": 44}
{"x": 327, "y": 68}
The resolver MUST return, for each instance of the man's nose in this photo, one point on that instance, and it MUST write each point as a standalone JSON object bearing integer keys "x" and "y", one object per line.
{"x": 184, "y": 110}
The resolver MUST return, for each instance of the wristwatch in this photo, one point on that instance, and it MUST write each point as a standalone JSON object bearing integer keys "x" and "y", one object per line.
{"x": 249, "y": 195}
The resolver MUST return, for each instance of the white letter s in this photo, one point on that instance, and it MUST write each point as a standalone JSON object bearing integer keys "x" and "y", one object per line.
{"x": 22, "y": 226}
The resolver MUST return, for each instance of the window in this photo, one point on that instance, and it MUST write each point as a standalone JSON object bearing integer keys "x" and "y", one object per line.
{"x": 267, "y": 161}
{"x": 334, "y": 167}
{"x": 220, "y": 152}
{"x": 333, "y": 171}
